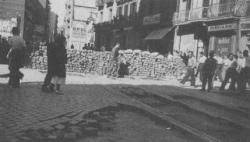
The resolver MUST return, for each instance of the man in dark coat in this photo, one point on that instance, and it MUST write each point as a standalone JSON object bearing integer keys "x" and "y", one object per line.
{"x": 16, "y": 58}
{"x": 47, "y": 85}
{"x": 208, "y": 71}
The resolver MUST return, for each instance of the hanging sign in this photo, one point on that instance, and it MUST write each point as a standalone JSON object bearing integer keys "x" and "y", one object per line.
{"x": 154, "y": 19}
{"x": 222, "y": 27}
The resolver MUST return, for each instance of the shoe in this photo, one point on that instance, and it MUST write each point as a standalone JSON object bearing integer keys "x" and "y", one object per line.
{"x": 59, "y": 92}
{"x": 51, "y": 87}
{"x": 202, "y": 90}
{"x": 222, "y": 89}
{"x": 45, "y": 89}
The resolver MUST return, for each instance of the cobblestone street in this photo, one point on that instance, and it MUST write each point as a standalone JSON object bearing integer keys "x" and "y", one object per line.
{"x": 28, "y": 108}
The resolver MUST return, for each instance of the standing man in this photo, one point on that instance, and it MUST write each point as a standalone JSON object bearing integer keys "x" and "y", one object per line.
{"x": 115, "y": 55}
{"x": 208, "y": 71}
{"x": 245, "y": 72}
{"x": 201, "y": 63}
{"x": 16, "y": 58}
{"x": 219, "y": 67}
{"x": 190, "y": 69}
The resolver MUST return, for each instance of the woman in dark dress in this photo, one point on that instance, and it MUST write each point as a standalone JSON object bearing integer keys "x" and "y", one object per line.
{"x": 59, "y": 61}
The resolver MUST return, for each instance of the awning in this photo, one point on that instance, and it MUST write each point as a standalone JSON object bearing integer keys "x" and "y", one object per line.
{"x": 158, "y": 34}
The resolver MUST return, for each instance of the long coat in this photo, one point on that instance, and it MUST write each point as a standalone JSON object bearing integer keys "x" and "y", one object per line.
{"x": 59, "y": 58}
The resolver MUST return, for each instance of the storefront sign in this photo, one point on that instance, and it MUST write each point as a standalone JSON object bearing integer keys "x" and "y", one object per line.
{"x": 154, "y": 19}
{"x": 245, "y": 26}
{"x": 222, "y": 27}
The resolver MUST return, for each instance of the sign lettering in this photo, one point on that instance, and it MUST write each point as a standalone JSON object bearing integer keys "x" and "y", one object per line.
{"x": 222, "y": 27}
{"x": 154, "y": 19}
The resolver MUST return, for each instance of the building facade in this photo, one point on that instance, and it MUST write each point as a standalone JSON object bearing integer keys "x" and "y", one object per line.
{"x": 78, "y": 23}
{"x": 136, "y": 24}
{"x": 29, "y": 15}
{"x": 219, "y": 25}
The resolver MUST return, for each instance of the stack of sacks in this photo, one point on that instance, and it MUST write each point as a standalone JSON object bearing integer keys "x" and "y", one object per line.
{"x": 142, "y": 63}
{"x": 39, "y": 58}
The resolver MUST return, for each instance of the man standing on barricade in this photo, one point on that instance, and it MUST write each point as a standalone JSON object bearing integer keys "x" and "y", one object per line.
{"x": 115, "y": 55}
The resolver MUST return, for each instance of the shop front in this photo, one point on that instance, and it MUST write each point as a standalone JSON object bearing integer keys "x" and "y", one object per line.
{"x": 223, "y": 38}
{"x": 160, "y": 40}
{"x": 158, "y": 36}
{"x": 245, "y": 35}
{"x": 191, "y": 37}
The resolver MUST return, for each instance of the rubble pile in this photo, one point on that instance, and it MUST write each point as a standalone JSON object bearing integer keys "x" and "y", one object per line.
{"x": 142, "y": 63}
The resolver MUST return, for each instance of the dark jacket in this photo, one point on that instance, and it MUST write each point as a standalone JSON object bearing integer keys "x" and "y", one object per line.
{"x": 59, "y": 58}
{"x": 209, "y": 66}
{"x": 16, "y": 58}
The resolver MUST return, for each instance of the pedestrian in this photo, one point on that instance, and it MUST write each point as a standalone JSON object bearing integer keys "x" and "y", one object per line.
{"x": 72, "y": 46}
{"x": 245, "y": 72}
{"x": 226, "y": 64}
{"x": 123, "y": 66}
{"x": 219, "y": 67}
{"x": 208, "y": 72}
{"x": 184, "y": 57}
{"x": 59, "y": 60}
{"x": 16, "y": 58}
{"x": 190, "y": 69}
{"x": 103, "y": 48}
{"x": 115, "y": 57}
{"x": 201, "y": 63}
{"x": 47, "y": 85}
{"x": 231, "y": 73}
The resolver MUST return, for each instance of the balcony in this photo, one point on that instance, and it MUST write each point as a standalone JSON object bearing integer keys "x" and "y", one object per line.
{"x": 212, "y": 12}
{"x": 120, "y": 22}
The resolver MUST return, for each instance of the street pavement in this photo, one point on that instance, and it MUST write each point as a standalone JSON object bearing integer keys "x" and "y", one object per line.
{"x": 29, "y": 108}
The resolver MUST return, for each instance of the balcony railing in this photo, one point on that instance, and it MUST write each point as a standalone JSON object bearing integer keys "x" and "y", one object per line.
{"x": 214, "y": 11}
{"x": 121, "y": 22}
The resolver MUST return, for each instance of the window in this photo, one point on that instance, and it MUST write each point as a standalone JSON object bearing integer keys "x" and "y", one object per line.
{"x": 197, "y": 4}
{"x": 151, "y": 7}
{"x": 119, "y": 11}
{"x": 133, "y": 7}
{"x": 101, "y": 17}
{"x": 126, "y": 10}
{"x": 110, "y": 14}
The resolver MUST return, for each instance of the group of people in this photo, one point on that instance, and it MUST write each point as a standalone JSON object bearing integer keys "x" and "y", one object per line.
{"x": 15, "y": 49}
{"x": 235, "y": 68}
{"x": 4, "y": 49}
{"x": 57, "y": 58}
